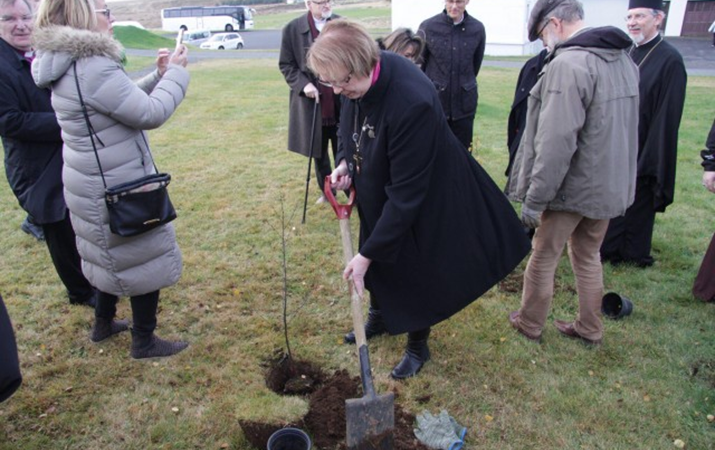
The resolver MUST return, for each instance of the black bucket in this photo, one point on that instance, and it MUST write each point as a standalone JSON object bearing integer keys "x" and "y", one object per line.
{"x": 615, "y": 306}
{"x": 289, "y": 439}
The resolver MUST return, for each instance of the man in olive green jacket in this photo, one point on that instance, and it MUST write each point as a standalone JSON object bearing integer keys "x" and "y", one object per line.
{"x": 576, "y": 165}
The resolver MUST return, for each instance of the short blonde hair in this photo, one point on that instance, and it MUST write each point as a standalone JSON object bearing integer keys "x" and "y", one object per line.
{"x": 78, "y": 14}
{"x": 343, "y": 45}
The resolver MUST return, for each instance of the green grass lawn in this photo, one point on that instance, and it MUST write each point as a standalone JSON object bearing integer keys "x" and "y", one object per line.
{"x": 133, "y": 37}
{"x": 652, "y": 382}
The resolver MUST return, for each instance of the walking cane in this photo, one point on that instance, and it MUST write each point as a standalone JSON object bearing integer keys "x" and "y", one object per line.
{"x": 310, "y": 157}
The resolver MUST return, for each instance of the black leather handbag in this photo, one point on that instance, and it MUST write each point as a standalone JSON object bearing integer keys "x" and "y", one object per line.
{"x": 136, "y": 206}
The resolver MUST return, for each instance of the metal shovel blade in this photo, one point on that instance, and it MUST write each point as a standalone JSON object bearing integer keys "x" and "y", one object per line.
{"x": 371, "y": 418}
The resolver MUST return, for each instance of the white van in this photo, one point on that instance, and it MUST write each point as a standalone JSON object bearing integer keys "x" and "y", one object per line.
{"x": 196, "y": 37}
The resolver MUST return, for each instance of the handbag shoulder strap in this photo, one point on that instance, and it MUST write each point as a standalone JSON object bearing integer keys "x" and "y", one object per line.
{"x": 148, "y": 150}
{"x": 90, "y": 129}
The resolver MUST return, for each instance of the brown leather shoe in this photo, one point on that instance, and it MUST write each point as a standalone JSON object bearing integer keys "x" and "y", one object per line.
{"x": 514, "y": 321}
{"x": 567, "y": 329}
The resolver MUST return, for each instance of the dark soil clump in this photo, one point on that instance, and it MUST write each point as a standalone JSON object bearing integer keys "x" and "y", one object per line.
{"x": 289, "y": 376}
{"x": 326, "y": 413}
{"x": 326, "y": 416}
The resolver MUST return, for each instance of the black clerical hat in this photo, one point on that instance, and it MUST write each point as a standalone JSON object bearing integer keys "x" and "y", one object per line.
{"x": 538, "y": 14}
{"x": 651, "y": 4}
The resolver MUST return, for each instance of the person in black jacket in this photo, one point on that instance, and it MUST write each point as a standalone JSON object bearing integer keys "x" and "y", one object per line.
{"x": 435, "y": 231}
{"x": 708, "y": 156}
{"x": 32, "y": 141}
{"x": 10, "y": 377}
{"x": 528, "y": 76}
{"x": 453, "y": 55}
{"x": 704, "y": 286}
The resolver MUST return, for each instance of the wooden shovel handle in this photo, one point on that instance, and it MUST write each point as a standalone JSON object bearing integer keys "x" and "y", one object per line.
{"x": 355, "y": 299}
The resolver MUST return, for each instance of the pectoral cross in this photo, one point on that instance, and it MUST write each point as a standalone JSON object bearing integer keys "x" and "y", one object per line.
{"x": 358, "y": 161}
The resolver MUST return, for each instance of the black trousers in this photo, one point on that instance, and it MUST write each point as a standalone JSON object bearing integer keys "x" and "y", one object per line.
{"x": 322, "y": 162}
{"x": 144, "y": 309}
{"x": 10, "y": 377}
{"x": 629, "y": 238}
{"x": 464, "y": 130}
{"x": 62, "y": 244}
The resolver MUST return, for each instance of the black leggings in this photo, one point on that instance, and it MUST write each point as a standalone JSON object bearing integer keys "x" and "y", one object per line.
{"x": 144, "y": 309}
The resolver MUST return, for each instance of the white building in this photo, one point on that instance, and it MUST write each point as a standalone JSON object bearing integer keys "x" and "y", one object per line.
{"x": 506, "y": 20}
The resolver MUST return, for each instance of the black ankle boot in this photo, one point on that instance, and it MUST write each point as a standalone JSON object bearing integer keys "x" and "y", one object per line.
{"x": 416, "y": 355}
{"x": 151, "y": 346}
{"x": 104, "y": 328}
{"x": 374, "y": 326}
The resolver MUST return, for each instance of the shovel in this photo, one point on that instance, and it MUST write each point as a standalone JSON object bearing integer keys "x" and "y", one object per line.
{"x": 370, "y": 419}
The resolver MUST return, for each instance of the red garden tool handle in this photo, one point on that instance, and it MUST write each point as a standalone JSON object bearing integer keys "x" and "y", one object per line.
{"x": 342, "y": 211}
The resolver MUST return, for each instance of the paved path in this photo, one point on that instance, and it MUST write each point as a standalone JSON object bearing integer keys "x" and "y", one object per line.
{"x": 698, "y": 53}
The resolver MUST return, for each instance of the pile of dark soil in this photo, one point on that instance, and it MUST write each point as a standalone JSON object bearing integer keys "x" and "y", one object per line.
{"x": 325, "y": 420}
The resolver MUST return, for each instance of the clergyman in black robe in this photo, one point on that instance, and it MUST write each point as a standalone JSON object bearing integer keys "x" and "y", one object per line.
{"x": 662, "y": 94}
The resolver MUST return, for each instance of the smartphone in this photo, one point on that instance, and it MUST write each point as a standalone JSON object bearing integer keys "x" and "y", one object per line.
{"x": 180, "y": 38}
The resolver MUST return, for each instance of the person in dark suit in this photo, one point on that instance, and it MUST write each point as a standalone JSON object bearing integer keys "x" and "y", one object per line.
{"x": 32, "y": 141}
{"x": 305, "y": 91}
{"x": 435, "y": 231}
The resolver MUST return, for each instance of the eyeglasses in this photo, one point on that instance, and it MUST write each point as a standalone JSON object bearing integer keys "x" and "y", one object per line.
{"x": 323, "y": 3}
{"x": 548, "y": 21}
{"x": 15, "y": 20}
{"x": 106, "y": 12}
{"x": 637, "y": 17}
{"x": 456, "y": 2}
{"x": 336, "y": 84}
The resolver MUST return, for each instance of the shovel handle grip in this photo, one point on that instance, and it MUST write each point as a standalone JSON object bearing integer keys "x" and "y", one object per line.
{"x": 341, "y": 210}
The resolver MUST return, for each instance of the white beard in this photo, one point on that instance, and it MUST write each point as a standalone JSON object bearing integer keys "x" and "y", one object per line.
{"x": 638, "y": 38}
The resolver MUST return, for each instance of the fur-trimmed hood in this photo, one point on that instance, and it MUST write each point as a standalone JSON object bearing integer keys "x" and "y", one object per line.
{"x": 59, "y": 46}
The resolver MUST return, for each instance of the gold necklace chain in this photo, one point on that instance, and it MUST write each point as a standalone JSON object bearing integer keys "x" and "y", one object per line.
{"x": 649, "y": 52}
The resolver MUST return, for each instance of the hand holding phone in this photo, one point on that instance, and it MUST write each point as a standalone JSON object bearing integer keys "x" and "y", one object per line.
{"x": 179, "y": 38}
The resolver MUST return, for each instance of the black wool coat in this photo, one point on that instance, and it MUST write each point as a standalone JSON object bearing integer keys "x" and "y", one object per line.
{"x": 32, "y": 140}
{"x": 438, "y": 230}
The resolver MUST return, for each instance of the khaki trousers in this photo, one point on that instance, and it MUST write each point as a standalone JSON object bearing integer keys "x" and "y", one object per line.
{"x": 584, "y": 237}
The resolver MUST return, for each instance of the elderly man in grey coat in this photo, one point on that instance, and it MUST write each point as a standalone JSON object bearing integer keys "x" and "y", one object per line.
{"x": 576, "y": 165}
{"x": 313, "y": 107}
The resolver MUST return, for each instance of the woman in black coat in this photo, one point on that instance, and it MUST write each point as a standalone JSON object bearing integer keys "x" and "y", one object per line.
{"x": 435, "y": 231}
